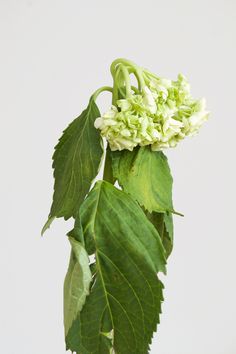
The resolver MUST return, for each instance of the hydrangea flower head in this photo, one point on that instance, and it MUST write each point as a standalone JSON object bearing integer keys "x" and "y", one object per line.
{"x": 161, "y": 115}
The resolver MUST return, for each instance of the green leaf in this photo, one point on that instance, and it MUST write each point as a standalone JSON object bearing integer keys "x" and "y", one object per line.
{"x": 164, "y": 225}
{"x": 77, "y": 283}
{"x": 129, "y": 253}
{"x": 76, "y": 161}
{"x": 168, "y": 220}
{"x": 88, "y": 333}
{"x": 145, "y": 175}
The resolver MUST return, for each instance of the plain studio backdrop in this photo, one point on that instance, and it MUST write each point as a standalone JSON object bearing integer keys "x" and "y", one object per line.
{"x": 54, "y": 55}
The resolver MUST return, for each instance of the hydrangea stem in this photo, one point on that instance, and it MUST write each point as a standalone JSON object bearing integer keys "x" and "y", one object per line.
{"x": 115, "y": 86}
{"x": 123, "y": 61}
{"x": 100, "y": 90}
{"x": 127, "y": 67}
{"x": 140, "y": 78}
{"x": 127, "y": 80}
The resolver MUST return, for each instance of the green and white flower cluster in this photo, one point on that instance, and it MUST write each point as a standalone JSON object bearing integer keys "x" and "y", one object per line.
{"x": 161, "y": 113}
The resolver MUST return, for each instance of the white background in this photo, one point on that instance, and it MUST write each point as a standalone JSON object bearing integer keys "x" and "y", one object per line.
{"x": 54, "y": 54}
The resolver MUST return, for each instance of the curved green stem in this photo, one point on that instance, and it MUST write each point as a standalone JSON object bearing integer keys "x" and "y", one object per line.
{"x": 125, "y": 72}
{"x": 115, "y": 86}
{"x": 146, "y": 78}
{"x": 121, "y": 61}
{"x": 140, "y": 78}
{"x": 131, "y": 68}
{"x": 135, "y": 90}
{"x": 100, "y": 90}
{"x": 149, "y": 74}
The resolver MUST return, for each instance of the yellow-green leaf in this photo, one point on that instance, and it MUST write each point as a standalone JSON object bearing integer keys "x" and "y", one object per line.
{"x": 145, "y": 175}
{"x": 77, "y": 283}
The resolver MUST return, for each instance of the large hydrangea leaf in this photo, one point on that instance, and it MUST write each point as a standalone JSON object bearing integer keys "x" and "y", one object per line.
{"x": 76, "y": 161}
{"x": 145, "y": 175}
{"x": 124, "y": 304}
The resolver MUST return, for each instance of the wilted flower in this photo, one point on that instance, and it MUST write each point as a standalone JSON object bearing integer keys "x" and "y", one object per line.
{"x": 161, "y": 116}
{"x": 149, "y": 100}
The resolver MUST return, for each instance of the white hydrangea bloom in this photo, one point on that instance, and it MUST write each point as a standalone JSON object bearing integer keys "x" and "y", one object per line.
{"x": 164, "y": 114}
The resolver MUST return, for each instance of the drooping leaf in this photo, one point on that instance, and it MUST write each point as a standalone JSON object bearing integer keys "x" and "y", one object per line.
{"x": 145, "y": 175}
{"x": 164, "y": 225}
{"x": 76, "y": 161}
{"x": 88, "y": 332}
{"x": 129, "y": 253}
{"x": 77, "y": 283}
